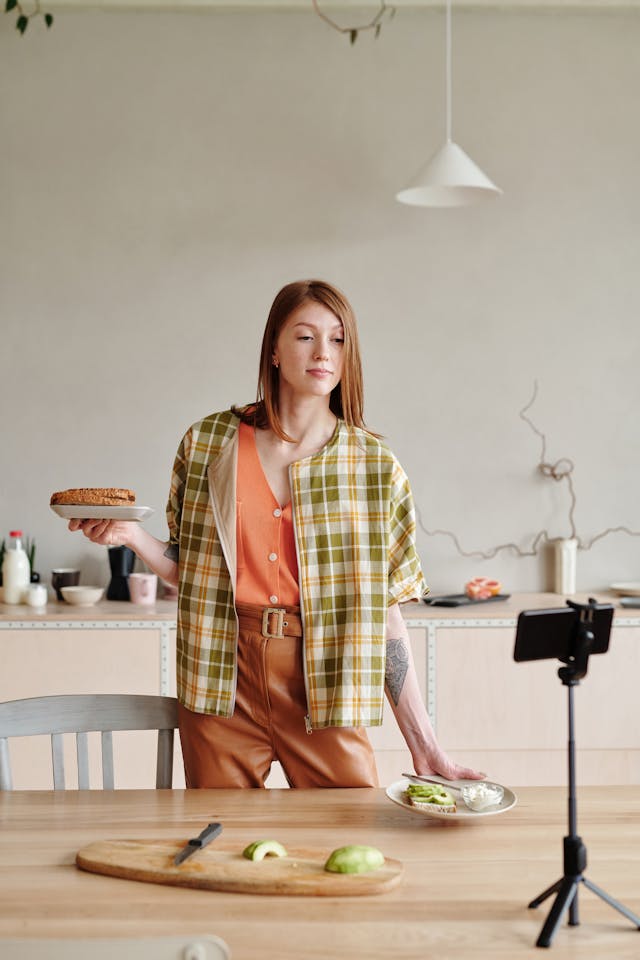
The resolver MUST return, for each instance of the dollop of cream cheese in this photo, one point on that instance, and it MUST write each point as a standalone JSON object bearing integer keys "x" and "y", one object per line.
{"x": 479, "y": 796}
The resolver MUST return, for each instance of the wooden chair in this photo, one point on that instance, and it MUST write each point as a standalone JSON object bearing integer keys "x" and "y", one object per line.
{"x": 81, "y": 715}
{"x": 197, "y": 947}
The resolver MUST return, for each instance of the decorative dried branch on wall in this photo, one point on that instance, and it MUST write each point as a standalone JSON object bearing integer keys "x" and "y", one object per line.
{"x": 560, "y": 470}
{"x": 23, "y": 17}
{"x": 374, "y": 24}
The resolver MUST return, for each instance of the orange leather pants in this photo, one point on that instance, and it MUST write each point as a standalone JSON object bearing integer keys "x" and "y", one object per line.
{"x": 268, "y": 721}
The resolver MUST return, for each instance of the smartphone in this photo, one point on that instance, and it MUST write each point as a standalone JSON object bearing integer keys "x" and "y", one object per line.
{"x": 552, "y": 634}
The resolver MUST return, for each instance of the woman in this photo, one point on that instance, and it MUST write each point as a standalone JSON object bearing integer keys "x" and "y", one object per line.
{"x": 292, "y": 541}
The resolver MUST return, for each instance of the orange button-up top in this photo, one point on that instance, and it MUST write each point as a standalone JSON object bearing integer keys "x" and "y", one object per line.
{"x": 267, "y": 561}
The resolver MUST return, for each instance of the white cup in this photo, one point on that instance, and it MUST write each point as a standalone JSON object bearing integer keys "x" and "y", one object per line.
{"x": 35, "y": 595}
{"x": 142, "y": 588}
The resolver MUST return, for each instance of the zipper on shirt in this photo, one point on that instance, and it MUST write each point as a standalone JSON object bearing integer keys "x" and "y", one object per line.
{"x": 307, "y": 718}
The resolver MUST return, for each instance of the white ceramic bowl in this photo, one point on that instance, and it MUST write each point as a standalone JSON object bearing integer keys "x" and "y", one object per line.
{"x": 82, "y": 596}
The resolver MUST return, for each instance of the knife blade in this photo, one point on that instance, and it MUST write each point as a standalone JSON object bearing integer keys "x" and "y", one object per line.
{"x": 210, "y": 832}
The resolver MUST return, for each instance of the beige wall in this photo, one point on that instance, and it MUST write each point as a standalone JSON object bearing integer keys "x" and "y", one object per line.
{"x": 163, "y": 174}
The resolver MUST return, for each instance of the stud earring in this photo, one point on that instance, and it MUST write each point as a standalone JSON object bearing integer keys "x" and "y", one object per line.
{"x": 276, "y": 363}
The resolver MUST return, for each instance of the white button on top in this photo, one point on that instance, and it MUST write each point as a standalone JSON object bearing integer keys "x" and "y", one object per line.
{"x": 273, "y": 598}
{"x": 273, "y": 556}
{"x": 277, "y": 512}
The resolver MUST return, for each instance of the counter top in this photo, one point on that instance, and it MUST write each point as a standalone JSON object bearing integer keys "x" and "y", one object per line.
{"x": 464, "y": 892}
{"x": 105, "y": 610}
{"x": 166, "y": 610}
{"x": 509, "y": 609}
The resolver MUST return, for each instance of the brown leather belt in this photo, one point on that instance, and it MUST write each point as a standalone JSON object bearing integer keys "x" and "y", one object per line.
{"x": 274, "y": 623}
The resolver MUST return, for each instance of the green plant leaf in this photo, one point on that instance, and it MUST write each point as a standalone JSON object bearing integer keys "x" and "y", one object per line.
{"x": 9, "y": 5}
{"x": 48, "y": 19}
{"x": 22, "y": 24}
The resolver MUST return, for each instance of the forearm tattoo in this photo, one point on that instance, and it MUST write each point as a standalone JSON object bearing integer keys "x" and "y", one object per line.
{"x": 396, "y": 668}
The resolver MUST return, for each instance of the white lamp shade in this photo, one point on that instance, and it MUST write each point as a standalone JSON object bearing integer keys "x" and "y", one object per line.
{"x": 449, "y": 179}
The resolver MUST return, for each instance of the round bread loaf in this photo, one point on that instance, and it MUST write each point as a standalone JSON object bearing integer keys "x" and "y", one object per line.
{"x": 95, "y": 496}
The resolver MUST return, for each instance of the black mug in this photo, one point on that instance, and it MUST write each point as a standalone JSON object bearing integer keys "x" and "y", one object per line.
{"x": 64, "y": 577}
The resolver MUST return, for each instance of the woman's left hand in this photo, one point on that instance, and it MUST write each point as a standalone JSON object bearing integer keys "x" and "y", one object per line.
{"x": 438, "y": 762}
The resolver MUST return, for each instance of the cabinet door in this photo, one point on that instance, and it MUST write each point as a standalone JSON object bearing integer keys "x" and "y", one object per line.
{"x": 47, "y": 662}
{"x": 510, "y": 719}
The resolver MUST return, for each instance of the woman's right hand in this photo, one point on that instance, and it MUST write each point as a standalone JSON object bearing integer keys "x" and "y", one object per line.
{"x": 107, "y": 533}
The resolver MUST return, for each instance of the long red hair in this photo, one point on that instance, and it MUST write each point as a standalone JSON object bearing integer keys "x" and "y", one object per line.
{"x": 346, "y": 400}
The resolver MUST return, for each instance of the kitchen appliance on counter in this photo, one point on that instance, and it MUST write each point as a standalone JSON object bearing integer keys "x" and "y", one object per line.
{"x": 122, "y": 561}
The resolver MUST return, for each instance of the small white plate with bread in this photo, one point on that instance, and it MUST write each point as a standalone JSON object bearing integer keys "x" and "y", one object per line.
{"x": 84, "y": 511}
{"x": 98, "y": 503}
{"x": 458, "y": 812}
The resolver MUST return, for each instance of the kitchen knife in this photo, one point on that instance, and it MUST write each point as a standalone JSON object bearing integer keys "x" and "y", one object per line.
{"x": 208, "y": 834}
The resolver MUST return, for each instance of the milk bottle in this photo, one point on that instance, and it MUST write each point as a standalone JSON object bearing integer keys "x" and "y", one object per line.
{"x": 16, "y": 570}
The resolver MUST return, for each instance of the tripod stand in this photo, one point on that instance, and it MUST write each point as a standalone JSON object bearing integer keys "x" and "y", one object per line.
{"x": 574, "y": 850}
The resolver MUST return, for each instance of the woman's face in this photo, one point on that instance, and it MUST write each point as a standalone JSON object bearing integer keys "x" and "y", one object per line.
{"x": 309, "y": 351}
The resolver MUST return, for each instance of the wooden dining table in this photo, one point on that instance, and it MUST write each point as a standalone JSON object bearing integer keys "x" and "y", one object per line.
{"x": 463, "y": 894}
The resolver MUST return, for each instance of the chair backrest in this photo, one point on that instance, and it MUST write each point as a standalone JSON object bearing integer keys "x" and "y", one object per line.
{"x": 83, "y": 714}
{"x": 197, "y": 947}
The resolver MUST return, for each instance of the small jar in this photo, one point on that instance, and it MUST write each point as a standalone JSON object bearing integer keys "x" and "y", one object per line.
{"x": 35, "y": 595}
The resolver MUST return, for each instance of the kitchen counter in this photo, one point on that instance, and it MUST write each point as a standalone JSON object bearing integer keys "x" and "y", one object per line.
{"x": 110, "y": 647}
{"x": 464, "y": 892}
{"x": 490, "y": 713}
{"x": 109, "y": 611}
{"x": 506, "y": 611}
{"x": 166, "y": 610}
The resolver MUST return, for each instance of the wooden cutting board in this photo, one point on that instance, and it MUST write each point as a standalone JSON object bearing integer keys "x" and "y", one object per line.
{"x": 222, "y": 867}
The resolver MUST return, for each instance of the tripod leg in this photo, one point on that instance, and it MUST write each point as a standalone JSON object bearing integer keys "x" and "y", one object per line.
{"x": 574, "y": 919}
{"x": 612, "y": 903}
{"x": 546, "y": 893}
{"x": 564, "y": 899}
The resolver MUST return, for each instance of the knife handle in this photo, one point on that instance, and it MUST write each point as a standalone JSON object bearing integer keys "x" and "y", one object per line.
{"x": 207, "y": 835}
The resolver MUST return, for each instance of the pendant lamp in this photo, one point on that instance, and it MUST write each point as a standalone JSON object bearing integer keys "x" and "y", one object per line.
{"x": 450, "y": 178}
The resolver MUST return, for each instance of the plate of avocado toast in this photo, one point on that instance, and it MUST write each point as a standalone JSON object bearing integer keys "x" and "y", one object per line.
{"x": 437, "y": 801}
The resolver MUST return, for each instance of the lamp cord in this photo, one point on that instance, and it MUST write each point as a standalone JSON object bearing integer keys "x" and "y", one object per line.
{"x": 448, "y": 84}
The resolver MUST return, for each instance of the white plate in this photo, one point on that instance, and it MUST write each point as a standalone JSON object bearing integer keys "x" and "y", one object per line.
{"x": 463, "y": 814}
{"x": 626, "y": 589}
{"x": 72, "y": 511}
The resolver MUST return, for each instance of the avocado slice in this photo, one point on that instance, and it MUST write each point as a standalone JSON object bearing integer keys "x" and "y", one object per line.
{"x": 260, "y": 849}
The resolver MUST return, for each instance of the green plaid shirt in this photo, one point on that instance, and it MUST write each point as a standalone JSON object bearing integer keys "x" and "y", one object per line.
{"x": 355, "y": 535}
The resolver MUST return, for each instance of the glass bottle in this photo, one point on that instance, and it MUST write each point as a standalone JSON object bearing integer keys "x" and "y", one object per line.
{"x": 16, "y": 570}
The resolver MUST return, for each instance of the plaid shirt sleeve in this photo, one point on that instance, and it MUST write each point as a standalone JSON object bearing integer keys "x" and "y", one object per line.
{"x": 176, "y": 494}
{"x": 406, "y": 581}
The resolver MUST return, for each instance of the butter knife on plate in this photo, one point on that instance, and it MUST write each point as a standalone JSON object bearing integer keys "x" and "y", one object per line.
{"x": 210, "y": 832}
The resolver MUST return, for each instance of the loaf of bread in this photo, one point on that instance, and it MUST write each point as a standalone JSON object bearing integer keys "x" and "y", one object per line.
{"x": 95, "y": 497}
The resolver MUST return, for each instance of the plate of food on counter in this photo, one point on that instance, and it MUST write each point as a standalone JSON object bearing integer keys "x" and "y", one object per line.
{"x": 98, "y": 503}
{"x": 460, "y": 801}
{"x": 626, "y": 589}
{"x": 477, "y": 590}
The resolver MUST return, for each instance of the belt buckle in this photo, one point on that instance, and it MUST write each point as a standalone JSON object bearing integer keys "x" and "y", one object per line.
{"x": 266, "y": 613}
